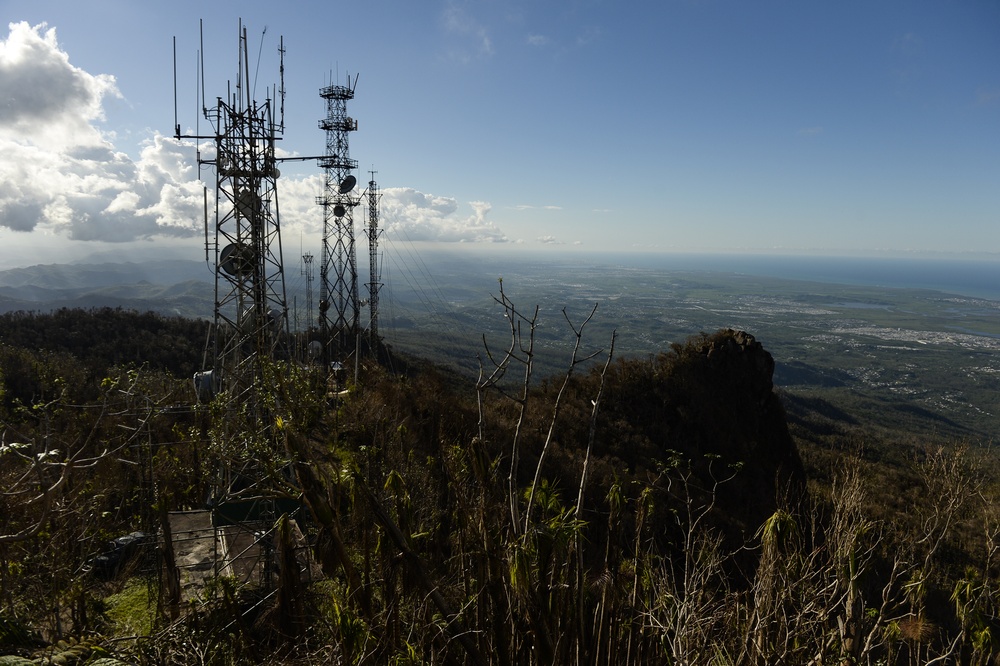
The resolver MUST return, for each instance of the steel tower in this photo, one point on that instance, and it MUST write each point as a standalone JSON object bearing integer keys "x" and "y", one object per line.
{"x": 374, "y": 282}
{"x": 307, "y": 272}
{"x": 251, "y": 313}
{"x": 339, "y": 305}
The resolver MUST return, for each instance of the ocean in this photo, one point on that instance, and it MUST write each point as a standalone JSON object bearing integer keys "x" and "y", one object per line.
{"x": 975, "y": 278}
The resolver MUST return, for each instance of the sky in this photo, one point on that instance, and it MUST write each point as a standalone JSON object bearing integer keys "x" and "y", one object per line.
{"x": 520, "y": 125}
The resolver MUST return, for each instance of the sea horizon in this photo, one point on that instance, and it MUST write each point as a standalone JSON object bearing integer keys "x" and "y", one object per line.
{"x": 970, "y": 277}
{"x": 976, "y": 275}
{"x": 973, "y": 276}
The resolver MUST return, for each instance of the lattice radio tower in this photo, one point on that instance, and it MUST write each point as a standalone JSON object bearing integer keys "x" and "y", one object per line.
{"x": 251, "y": 313}
{"x": 307, "y": 272}
{"x": 375, "y": 276}
{"x": 338, "y": 305}
{"x": 251, "y": 322}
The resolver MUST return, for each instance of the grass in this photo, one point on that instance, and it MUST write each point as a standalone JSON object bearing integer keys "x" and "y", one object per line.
{"x": 133, "y": 610}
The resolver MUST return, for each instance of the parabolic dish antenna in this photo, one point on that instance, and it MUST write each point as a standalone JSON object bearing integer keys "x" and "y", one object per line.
{"x": 247, "y": 203}
{"x": 234, "y": 259}
{"x": 339, "y": 210}
{"x": 347, "y": 184}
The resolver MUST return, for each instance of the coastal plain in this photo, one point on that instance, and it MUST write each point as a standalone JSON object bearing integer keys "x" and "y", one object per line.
{"x": 917, "y": 360}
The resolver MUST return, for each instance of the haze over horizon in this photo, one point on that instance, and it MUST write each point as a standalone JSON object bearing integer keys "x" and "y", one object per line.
{"x": 573, "y": 127}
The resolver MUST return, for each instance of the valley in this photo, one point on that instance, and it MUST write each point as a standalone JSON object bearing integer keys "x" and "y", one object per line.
{"x": 914, "y": 359}
{"x": 917, "y": 360}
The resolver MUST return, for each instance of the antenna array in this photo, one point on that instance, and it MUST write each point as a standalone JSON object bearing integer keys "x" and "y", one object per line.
{"x": 374, "y": 281}
{"x": 307, "y": 272}
{"x": 339, "y": 303}
{"x": 251, "y": 313}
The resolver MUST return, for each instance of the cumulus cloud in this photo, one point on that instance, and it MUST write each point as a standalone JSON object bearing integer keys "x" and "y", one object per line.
{"x": 416, "y": 216}
{"x": 297, "y": 198}
{"x": 45, "y": 98}
{"x": 548, "y": 240}
{"x": 58, "y": 171}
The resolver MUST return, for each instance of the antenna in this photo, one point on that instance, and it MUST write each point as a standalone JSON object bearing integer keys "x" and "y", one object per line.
{"x": 205, "y": 191}
{"x": 177, "y": 127}
{"x": 201, "y": 63}
{"x": 373, "y": 280}
{"x": 339, "y": 302}
{"x": 250, "y": 329}
{"x": 307, "y": 272}
{"x": 281, "y": 74}
{"x": 260, "y": 50}
{"x": 197, "y": 116}
{"x": 251, "y": 313}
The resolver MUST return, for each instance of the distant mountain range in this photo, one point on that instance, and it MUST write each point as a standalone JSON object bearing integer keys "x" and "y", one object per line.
{"x": 170, "y": 287}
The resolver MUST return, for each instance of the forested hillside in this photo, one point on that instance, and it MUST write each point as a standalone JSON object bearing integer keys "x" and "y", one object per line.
{"x": 629, "y": 510}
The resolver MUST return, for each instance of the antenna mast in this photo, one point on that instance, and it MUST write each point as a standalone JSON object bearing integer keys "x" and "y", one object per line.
{"x": 251, "y": 312}
{"x": 374, "y": 281}
{"x": 307, "y": 272}
{"x": 338, "y": 305}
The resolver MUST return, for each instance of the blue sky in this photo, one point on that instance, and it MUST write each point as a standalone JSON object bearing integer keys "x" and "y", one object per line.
{"x": 698, "y": 125}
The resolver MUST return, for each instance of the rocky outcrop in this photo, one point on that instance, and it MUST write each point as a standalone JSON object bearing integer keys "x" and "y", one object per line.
{"x": 709, "y": 406}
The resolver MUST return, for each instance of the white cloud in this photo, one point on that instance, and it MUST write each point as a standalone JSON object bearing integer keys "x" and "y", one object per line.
{"x": 537, "y": 40}
{"x": 416, "y": 216}
{"x": 548, "y": 240}
{"x": 58, "y": 171}
{"x": 46, "y": 100}
{"x": 457, "y": 21}
{"x": 532, "y": 207}
{"x": 299, "y": 211}
{"x": 60, "y": 174}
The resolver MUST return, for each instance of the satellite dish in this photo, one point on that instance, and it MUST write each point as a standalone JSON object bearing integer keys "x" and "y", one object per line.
{"x": 235, "y": 259}
{"x": 339, "y": 210}
{"x": 348, "y": 184}
{"x": 228, "y": 259}
{"x": 247, "y": 203}
{"x": 272, "y": 320}
{"x": 206, "y": 385}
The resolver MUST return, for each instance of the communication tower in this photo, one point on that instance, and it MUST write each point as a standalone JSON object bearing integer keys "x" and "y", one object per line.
{"x": 339, "y": 304}
{"x": 307, "y": 272}
{"x": 251, "y": 313}
{"x": 251, "y": 322}
{"x": 374, "y": 282}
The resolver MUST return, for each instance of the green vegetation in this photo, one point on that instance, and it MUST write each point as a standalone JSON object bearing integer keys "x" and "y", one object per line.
{"x": 906, "y": 359}
{"x": 132, "y": 610}
{"x": 672, "y": 508}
